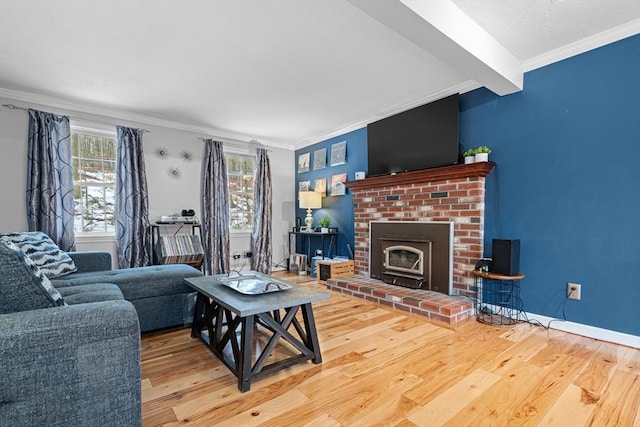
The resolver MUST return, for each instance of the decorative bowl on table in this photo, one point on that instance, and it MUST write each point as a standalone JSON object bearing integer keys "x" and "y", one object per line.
{"x": 254, "y": 284}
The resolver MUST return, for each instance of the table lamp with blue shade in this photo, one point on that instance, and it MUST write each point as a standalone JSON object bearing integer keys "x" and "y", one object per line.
{"x": 310, "y": 200}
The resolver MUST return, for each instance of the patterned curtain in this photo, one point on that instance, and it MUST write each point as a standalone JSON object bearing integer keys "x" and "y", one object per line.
{"x": 261, "y": 236}
{"x": 132, "y": 203}
{"x": 50, "y": 178}
{"x": 215, "y": 209}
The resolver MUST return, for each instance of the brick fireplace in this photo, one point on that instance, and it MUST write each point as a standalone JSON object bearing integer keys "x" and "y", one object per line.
{"x": 451, "y": 193}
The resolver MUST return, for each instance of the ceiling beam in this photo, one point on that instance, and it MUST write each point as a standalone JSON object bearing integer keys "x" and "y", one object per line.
{"x": 443, "y": 30}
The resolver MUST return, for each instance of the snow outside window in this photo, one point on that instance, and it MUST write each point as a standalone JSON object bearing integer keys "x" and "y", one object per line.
{"x": 93, "y": 156}
{"x": 240, "y": 176}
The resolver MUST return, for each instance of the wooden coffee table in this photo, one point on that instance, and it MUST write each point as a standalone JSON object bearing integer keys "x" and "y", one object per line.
{"x": 225, "y": 319}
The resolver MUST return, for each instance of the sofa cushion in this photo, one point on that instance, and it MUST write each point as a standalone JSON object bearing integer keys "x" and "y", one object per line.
{"x": 94, "y": 292}
{"x": 139, "y": 282}
{"x": 52, "y": 261}
{"x": 23, "y": 286}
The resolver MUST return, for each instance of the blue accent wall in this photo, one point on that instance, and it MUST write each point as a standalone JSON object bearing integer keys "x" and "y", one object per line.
{"x": 338, "y": 208}
{"x": 567, "y": 182}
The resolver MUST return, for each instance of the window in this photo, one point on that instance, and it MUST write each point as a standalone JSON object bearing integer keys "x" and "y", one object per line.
{"x": 240, "y": 176}
{"x": 93, "y": 156}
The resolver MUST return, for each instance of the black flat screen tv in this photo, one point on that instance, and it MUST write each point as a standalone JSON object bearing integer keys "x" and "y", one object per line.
{"x": 421, "y": 138}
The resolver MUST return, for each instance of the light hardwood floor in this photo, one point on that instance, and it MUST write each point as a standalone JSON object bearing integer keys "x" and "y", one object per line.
{"x": 385, "y": 367}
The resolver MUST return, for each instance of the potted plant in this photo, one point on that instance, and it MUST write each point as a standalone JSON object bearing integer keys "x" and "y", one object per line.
{"x": 469, "y": 156}
{"x": 482, "y": 153}
{"x": 325, "y": 221}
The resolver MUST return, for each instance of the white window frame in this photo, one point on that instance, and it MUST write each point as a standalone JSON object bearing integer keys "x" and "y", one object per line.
{"x": 238, "y": 153}
{"x": 104, "y": 132}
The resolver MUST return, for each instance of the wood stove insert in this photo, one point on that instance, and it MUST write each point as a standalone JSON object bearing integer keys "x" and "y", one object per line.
{"x": 416, "y": 255}
{"x": 407, "y": 262}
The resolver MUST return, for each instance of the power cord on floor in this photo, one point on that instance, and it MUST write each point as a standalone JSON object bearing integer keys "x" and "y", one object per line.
{"x": 564, "y": 315}
{"x": 564, "y": 304}
{"x": 281, "y": 264}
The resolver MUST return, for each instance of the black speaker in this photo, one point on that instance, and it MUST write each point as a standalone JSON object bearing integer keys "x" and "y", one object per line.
{"x": 506, "y": 256}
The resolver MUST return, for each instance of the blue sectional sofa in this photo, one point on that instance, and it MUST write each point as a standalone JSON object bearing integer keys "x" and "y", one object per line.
{"x": 158, "y": 292}
{"x": 71, "y": 362}
{"x": 70, "y": 346}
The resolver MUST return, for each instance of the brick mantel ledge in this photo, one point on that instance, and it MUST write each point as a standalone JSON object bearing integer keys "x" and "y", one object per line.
{"x": 426, "y": 175}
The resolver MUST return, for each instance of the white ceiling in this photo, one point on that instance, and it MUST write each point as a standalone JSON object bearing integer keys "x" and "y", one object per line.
{"x": 286, "y": 73}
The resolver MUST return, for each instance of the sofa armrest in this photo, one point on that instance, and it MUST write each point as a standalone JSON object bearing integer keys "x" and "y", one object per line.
{"x": 74, "y": 365}
{"x": 87, "y": 261}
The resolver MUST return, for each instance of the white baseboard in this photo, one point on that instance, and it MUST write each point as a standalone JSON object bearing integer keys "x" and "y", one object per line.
{"x": 574, "y": 328}
{"x": 587, "y": 330}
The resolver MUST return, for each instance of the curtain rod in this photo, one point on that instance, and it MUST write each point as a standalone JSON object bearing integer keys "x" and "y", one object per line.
{"x": 13, "y": 107}
{"x": 253, "y": 143}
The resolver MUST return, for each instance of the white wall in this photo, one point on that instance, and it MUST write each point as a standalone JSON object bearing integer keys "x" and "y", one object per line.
{"x": 167, "y": 194}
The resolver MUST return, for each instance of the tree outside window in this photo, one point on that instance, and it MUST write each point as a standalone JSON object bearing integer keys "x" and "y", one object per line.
{"x": 240, "y": 176}
{"x": 94, "y": 171}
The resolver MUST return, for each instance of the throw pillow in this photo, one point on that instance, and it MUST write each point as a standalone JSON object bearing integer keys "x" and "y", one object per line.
{"x": 22, "y": 285}
{"x": 42, "y": 251}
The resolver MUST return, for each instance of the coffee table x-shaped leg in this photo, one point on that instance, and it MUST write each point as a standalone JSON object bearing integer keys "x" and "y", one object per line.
{"x": 230, "y": 337}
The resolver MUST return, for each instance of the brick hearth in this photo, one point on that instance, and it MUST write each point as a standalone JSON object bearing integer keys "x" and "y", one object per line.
{"x": 433, "y": 305}
{"x": 452, "y": 193}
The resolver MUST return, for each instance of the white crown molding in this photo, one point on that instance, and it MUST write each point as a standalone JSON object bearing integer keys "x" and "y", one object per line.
{"x": 598, "y": 40}
{"x": 464, "y": 87}
{"x": 589, "y": 43}
{"x": 114, "y": 113}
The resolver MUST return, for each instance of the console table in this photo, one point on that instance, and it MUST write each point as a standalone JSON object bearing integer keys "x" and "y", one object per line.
{"x": 498, "y": 299}
{"x": 332, "y": 238}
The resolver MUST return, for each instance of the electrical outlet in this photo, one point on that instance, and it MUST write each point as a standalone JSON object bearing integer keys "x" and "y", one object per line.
{"x": 247, "y": 254}
{"x": 236, "y": 255}
{"x": 574, "y": 291}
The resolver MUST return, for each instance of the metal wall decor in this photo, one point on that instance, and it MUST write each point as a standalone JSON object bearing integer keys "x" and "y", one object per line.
{"x": 162, "y": 152}
{"x": 175, "y": 172}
